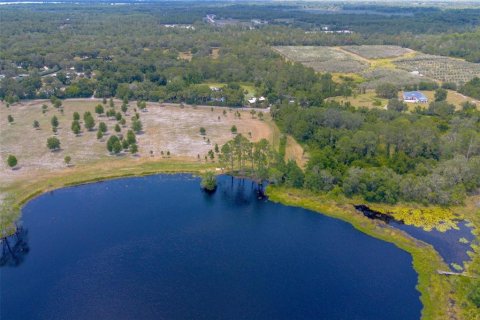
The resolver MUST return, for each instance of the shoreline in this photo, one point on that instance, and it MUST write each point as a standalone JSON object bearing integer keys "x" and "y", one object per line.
{"x": 435, "y": 289}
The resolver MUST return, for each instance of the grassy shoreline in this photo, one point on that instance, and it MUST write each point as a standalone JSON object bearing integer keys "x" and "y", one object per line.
{"x": 436, "y": 291}
{"x": 19, "y": 193}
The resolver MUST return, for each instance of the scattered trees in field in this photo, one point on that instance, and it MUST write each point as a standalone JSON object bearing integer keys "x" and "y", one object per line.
{"x": 233, "y": 129}
{"x": 114, "y": 145}
{"x": 10, "y": 119}
{"x": 12, "y": 161}
{"x": 137, "y": 126}
{"x": 124, "y": 144}
{"x": 89, "y": 122}
{"x": 440, "y": 94}
{"x": 131, "y": 138}
{"x": 133, "y": 148}
{"x": 76, "y": 127}
{"x": 53, "y": 143}
{"x": 76, "y": 116}
{"x": 142, "y": 105}
{"x": 99, "y": 109}
{"x": 36, "y": 124}
{"x": 67, "y": 160}
{"x": 54, "y": 122}
{"x": 117, "y": 128}
{"x": 99, "y": 134}
{"x": 111, "y": 113}
{"x": 203, "y": 131}
{"x": 102, "y": 127}
{"x": 57, "y": 103}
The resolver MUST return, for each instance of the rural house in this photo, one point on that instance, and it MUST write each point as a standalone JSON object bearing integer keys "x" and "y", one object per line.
{"x": 414, "y": 96}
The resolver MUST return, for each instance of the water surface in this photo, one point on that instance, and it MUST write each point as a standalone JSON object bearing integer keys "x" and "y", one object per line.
{"x": 159, "y": 248}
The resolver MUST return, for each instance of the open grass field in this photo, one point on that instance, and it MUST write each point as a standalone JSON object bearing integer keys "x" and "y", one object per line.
{"x": 248, "y": 88}
{"x": 367, "y": 100}
{"x": 453, "y": 97}
{"x": 440, "y": 68}
{"x": 165, "y": 128}
{"x": 370, "y": 100}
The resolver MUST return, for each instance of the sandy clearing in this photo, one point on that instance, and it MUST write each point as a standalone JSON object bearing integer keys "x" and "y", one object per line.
{"x": 166, "y": 128}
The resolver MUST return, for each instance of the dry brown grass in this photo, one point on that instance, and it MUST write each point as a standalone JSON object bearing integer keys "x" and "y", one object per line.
{"x": 294, "y": 151}
{"x": 166, "y": 128}
{"x": 215, "y": 53}
{"x": 187, "y": 55}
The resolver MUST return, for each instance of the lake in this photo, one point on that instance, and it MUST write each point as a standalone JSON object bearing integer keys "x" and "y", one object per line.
{"x": 158, "y": 247}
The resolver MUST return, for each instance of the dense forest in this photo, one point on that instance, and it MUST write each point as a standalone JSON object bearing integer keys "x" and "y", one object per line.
{"x": 431, "y": 155}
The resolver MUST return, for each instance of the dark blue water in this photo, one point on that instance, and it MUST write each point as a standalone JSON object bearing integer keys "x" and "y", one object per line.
{"x": 447, "y": 243}
{"x": 159, "y": 248}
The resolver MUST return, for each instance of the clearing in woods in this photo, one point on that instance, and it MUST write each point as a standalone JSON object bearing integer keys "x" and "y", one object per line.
{"x": 370, "y": 100}
{"x": 165, "y": 128}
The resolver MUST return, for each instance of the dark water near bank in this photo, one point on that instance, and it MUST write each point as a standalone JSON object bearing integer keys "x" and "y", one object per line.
{"x": 159, "y": 248}
{"x": 447, "y": 244}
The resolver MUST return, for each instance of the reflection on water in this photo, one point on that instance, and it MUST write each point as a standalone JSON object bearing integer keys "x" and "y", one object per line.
{"x": 14, "y": 248}
{"x": 158, "y": 247}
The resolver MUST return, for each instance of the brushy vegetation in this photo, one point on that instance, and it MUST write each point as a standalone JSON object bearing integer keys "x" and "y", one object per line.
{"x": 209, "y": 181}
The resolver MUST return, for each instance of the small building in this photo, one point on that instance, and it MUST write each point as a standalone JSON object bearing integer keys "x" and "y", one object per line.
{"x": 414, "y": 97}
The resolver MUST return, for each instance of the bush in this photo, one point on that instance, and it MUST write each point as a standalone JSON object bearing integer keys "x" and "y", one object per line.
{"x": 53, "y": 143}
{"x": 209, "y": 181}
{"x": 12, "y": 161}
{"x": 387, "y": 91}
